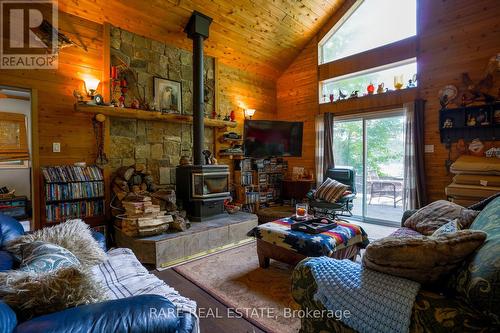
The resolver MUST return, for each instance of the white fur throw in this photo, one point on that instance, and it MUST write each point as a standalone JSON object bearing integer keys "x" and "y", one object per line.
{"x": 73, "y": 235}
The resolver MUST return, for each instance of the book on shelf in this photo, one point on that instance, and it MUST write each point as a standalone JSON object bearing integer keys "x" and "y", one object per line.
{"x": 71, "y": 173}
{"x": 72, "y": 191}
{"x": 67, "y": 210}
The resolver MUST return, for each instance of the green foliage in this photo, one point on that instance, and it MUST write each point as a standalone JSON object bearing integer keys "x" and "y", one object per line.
{"x": 385, "y": 144}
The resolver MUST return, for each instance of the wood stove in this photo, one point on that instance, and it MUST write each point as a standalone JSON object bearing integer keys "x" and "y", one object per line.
{"x": 201, "y": 188}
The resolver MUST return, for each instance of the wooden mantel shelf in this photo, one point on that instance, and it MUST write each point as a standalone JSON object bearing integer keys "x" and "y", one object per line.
{"x": 148, "y": 115}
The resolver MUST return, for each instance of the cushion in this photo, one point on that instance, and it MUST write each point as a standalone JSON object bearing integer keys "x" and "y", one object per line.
{"x": 330, "y": 190}
{"x": 483, "y": 180}
{"x": 73, "y": 235}
{"x": 422, "y": 259}
{"x": 471, "y": 191}
{"x": 467, "y": 164}
{"x": 428, "y": 219}
{"x": 42, "y": 257}
{"x": 31, "y": 294}
{"x": 479, "y": 282}
{"x": 405, "y": 232}
{"x": 447, "y": 228}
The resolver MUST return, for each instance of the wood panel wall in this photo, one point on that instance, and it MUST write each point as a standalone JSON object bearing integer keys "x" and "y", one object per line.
{"x": 297, "y": 100}
{"x": 58, "y": 122}
{"x": 455, "y": 36}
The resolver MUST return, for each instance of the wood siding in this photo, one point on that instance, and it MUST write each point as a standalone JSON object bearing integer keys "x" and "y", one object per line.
{"x": 454, "y": 37}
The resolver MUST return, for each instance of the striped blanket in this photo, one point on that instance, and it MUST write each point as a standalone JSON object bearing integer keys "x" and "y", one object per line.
{"x": 123, "y": 276}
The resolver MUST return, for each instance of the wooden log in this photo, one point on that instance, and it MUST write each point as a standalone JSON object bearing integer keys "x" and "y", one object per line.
{"x": 125, "y": 172}
{"x": 140, "y": 167}
{"x": 136, "y": 179}
{"x": 120, "y": 194}
{"x": 120, "y": 182}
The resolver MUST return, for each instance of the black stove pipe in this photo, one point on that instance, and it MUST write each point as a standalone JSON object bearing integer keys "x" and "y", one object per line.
{"x": 197, "y": 30}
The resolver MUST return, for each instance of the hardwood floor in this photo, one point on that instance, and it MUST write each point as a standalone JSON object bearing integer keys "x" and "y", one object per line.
{"x": 214, "y": 316}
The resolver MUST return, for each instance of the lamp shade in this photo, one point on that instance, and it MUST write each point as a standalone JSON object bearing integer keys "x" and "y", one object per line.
{"x": 91, "y": 84}
{"x": 249, "y": 113}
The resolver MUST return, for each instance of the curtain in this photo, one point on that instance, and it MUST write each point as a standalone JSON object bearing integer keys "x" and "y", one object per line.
{"x": 324, "y": 145}
{"x": 414, "y": 170}
{"x": 319, "y": 154}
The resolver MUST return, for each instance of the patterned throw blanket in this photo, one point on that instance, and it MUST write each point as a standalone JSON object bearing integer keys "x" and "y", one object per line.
{"x": 279, "y": 233}
{"x": 123, "y": 276}
{"x": 376, "y": 302}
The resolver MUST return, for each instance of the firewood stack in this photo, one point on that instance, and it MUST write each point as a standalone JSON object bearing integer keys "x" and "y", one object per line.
{"x": 133, "y": 179}
{"x": 143, "y": 218}
{"x": 144, "y": 203}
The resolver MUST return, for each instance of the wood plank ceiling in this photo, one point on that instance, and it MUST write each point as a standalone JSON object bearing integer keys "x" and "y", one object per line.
{"x": 260, "y": 36}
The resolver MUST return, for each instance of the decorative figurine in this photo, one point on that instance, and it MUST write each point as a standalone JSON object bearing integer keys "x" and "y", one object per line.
{"x": 232, "y": 115}
{"x": 226, "y": 117}
{"x": 380, "y": 88}
{"x": 332, "y": 97}
{"x": 342, "y": 95}
{"x": 370, "y": 89}
{"x": 448, "y": 123}
{"x": 471, "y": 120}
{"x": 135, "y": 103}
{"x": 398, "y": 82}
{"x": 481, "y": 119}
{"x": 354, "y": 94}
{"x": 411, "y": 84}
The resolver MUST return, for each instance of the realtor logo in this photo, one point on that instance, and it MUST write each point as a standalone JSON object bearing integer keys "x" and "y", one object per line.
{"x": 28, "y": 32}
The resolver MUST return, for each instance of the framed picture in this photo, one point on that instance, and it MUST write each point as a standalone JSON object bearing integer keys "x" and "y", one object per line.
{"x": 167, "y": 95}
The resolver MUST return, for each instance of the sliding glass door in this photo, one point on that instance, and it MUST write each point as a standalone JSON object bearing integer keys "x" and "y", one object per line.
{"x": 374, "y": 147}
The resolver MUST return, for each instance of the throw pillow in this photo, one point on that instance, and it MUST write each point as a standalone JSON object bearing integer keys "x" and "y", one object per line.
{"x": 39, "y": 257}
{"x": 73, "y": 235}
{"x": 428, "y": 219}
{"x": 447, "y": 228}
{"x": 422, "y": 259}
{"x": 32, "y": 295}
{"x": 330, "y": 190}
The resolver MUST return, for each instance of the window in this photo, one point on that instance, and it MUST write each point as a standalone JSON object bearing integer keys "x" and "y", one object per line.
{"x": 368, "y": 25}
{"x": 13, "y": 139}
{"x": 385, "y": 76}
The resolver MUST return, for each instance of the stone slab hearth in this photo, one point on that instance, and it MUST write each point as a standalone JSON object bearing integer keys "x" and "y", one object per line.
{"x": 202, "y": 238}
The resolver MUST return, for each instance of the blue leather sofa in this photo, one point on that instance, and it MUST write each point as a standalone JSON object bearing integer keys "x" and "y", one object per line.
{"x": 122, "y": 315}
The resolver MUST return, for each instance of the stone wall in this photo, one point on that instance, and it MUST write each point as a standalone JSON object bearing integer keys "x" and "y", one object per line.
{"x": 159, "y": 145}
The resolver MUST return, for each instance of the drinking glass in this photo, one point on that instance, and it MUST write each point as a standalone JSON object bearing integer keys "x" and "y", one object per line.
{"x": 301, "y": 210}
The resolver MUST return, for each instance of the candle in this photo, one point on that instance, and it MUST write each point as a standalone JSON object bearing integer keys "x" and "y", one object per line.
{"x": 113, "y": 72}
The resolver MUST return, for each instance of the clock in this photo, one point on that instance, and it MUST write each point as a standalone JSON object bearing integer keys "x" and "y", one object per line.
{"x": 98, "y": 99}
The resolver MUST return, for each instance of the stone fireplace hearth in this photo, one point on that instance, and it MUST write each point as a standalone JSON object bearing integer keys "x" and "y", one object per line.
{"x": 158, "y": 145}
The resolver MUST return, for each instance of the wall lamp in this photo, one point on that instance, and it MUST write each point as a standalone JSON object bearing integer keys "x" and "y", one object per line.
{"x": 249, "y": 113}
{"x": 91, "y": 85}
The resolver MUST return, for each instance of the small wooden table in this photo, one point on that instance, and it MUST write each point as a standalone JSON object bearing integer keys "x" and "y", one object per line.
{"x": 296, "y": 190}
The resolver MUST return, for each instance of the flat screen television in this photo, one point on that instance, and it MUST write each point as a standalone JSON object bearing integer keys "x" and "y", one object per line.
{"x": 266, "y": 138}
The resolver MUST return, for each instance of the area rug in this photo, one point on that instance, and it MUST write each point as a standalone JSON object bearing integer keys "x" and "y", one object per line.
{"x": 235, "y": 279}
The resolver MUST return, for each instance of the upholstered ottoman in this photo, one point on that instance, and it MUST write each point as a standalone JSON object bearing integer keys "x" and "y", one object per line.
{"x": 276, "y": 240}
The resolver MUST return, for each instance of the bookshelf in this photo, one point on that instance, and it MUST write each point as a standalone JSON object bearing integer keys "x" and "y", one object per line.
{"x": 258, "y": 181}
{"x": 71, "y": 192}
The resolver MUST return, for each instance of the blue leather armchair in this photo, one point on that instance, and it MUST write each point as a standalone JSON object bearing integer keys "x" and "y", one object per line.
{"x": 144, "y": 313}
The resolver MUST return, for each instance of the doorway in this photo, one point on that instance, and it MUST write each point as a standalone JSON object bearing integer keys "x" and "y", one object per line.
{"x": 16, "y": 155}
{"x": 373, "y": 145}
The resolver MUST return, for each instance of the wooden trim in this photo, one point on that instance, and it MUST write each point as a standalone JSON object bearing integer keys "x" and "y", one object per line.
{"x": 148, "y": 115}
{"x": 106, "y": 62}
{"x": 384, "y": 55}
{"x": 35, "y": 162}
{"x": 107, "y": 168}
{"x": 389, "y": 100}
